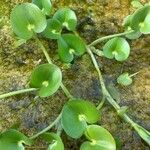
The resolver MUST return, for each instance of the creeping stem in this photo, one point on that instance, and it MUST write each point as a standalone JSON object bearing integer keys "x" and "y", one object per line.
{"x": 104, "y": 90}
{"x": 47, "y": 128}
{"x": 17, "y": 92}
{"x": 113, "y": 102}
{"x": 109, "y": 37}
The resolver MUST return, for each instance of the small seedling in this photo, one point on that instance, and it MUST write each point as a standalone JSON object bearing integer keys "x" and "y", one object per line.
{"x": 53, "y": 29}
{"x": 70, "y": 45}
{"x": 13, "y": 140}
{"x": 99, "y": 139}
{"x": 75, "y": 116}
{"x": 67, "y": 18}
{"x": 26, "y": 20}
{"x": 44, "y": 5}
{"x": 47, "y": 78}
{"x": 117, "y": 48}
{"x": 126, "y": 79}
{"x": 54, "y": 140}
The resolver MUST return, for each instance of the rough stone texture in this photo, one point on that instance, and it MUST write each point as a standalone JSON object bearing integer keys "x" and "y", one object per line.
{"x": 96, "y": 19}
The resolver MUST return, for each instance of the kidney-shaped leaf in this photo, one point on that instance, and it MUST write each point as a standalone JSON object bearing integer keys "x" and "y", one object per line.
{"x": 75, "y": 116}
{"x": 70, "y": 45}
{"x": 54, "y": 140}
{"x": 13, "y": 140}
{"x": 117, "y": 48}
{"x": 141, "y": 20}
{"x": 47, "y": 78}
{"x": 99, "y": 139}
{"x": 124, "y": 79}
{"x": 67, "y": 18}
{"x": 44, "y": 5}
{"x": 127, "y": 25}
{"x": 26, "y": 19}
{"x": 53, "y": 29}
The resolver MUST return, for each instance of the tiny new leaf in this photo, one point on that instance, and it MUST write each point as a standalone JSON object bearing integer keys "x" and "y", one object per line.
{"x": 124, "y": 79}
{"x": 70, "y": 45}
{"x": 44, "y": 5}
{"x": 47, "y": 78}
{"x": 13, "y": 140}
{"x": 75, "y": 116}
{"x": 117, "y": 48}
{"x": 26, "y": 19}
{"x": 67, "y": 18}
{"x": 54, "y": 140}
{"x": 99, "y": 139}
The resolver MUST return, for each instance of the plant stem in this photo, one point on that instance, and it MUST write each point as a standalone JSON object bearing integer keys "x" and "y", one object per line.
{"x": 132, "y": 75}
{"x": 105, "y": 92}
{"x": 47, "y": 128}
{"x": 109, "y": 37}
{"x": 17, "y": 92}
{"x": 43, "y": 50}
{"x": 66, "y": 91}
{"x": 101, "y": 104}
{"x": 97, "y": 52}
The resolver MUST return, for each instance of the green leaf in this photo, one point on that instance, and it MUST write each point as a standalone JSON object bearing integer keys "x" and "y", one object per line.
{"x": 70, "y": 45}
{"x": 26, "y": 19}
{"x": 75, "y": 116}
{"x": 140, "y": 20}
{"x": 136, "y": 4}
{"x": 47, "y": 78}
{"x": 99, "y": 139}
{"x": 67, "y": 18}
{"x": 127, "y": 24}
{"x": 13, "y": 140}
{"x": 53, "y": 29}
{"x": 44, "y": 5}
{"x": 54, "y": 140}
{"x": 145, "y": 135}
{"x": 124, "y": 79}
{"x": 117, "y": 48}
{"x": 127, "y": 21}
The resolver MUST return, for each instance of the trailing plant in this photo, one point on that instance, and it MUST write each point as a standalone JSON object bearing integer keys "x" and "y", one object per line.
{"x": 78, "y": 117}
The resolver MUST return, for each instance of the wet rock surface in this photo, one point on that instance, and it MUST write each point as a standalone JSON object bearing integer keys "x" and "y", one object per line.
{"x": 96, "y": 19}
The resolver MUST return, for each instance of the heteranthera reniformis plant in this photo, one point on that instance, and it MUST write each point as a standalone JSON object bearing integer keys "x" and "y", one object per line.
{"x": 78, "y": 117}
